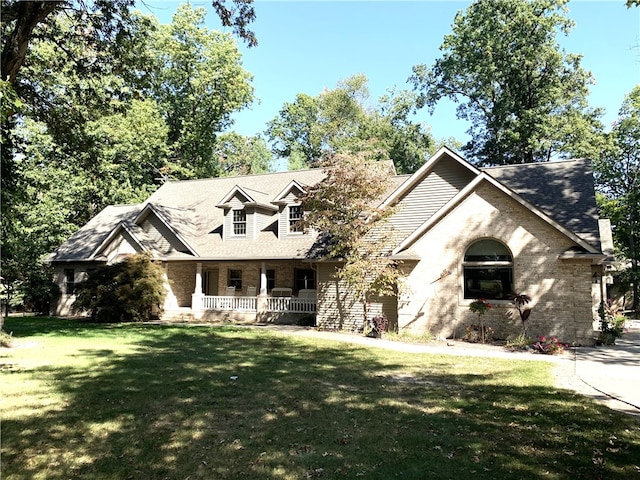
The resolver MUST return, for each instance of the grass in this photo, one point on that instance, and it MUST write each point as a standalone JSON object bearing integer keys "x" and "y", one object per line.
{"x": 159, "y": 402}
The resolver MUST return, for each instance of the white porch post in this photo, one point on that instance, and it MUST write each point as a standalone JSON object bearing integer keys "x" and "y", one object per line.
{"x": 263, "y": 279}
{"x": 262, "y": 305}
{"x": 196, "y": 298}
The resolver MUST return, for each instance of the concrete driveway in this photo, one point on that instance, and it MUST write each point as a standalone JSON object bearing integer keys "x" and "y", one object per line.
{"x": 612, "y": 373}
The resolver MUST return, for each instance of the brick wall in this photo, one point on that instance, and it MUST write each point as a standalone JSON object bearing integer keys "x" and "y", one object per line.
{"x": 561, "y": 290}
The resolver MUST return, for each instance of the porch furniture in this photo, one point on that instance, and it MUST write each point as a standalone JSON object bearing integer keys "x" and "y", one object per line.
{"x": 309, "y": 293}
{"x": 281, "y": 292}
{"x": 231, "y": 291}
{"x": 251, "y": 291}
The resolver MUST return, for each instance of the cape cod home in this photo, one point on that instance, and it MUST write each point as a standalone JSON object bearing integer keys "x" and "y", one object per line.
{"x": 231, "y": 249}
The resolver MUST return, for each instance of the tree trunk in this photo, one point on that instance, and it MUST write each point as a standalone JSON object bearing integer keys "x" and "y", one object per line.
{"x": 27, "y": 15}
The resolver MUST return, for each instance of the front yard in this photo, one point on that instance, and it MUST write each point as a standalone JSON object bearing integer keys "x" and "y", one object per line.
{"x": 168, "y": 402}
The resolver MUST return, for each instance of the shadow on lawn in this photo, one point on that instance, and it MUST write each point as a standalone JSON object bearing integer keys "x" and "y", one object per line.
{"x": 233, "y": 403}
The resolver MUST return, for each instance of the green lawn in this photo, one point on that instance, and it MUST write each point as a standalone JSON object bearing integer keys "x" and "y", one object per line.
{"x": 156, "y": 402}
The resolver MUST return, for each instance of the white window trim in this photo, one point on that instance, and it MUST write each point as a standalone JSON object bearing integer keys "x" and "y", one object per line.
{"x": 289, "y": 229}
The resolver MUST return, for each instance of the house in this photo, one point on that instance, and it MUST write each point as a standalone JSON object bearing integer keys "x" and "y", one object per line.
{"x": 231, "y": 248}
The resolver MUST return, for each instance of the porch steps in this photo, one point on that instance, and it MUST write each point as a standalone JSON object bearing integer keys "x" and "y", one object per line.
{"x": 181, "y": 315}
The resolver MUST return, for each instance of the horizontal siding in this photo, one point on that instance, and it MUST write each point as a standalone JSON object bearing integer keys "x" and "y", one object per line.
{"x": 338, "y": 309}
{"x": 430, "y": 195}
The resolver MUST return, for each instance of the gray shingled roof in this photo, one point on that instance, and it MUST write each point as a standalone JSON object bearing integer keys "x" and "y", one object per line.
{"x": 82, "y": 244}
{"x": 563, "y": 190}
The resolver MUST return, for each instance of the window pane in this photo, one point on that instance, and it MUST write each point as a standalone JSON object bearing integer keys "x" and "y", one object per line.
{"x": 235, "y": 279}
{"x": 271, "y": 279}
{"x": 239, "y": 222}
{"x": 487, "y": 251}
{"x": 295, "y": 215}
{"x": 488, "y": 282}
{"x": 304, "y": 279}
{"x": 69, "y": 281}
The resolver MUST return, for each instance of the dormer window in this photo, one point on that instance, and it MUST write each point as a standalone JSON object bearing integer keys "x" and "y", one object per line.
{"x": 295, "y": 216}
{"x": 239, "y": 222}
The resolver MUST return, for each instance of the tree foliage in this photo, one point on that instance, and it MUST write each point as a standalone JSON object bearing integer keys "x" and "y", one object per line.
{"x": 99, "y": 113}
{"x": 122, "y": 292}
{"x": 345, "y": 207}
{"x": 198, "y": 82}
{"x": 524, "y": 96}
{"x": 343, "y": 121}
{"x": 617, "y": 175}
{"x": 103, "y": 23}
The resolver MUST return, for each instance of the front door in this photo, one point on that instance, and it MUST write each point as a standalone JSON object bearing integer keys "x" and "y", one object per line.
{"x": 211, "y": 282}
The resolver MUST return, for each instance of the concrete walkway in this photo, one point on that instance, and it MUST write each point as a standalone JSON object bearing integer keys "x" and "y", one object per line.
{"x": 608, "y": 374}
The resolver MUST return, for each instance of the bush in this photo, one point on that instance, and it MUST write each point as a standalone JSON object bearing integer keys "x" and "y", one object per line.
{"x": 122, "y": 292}
{"x": 549, "y": 346}
{"x": 521, "y": 342}
{"x": 6, "y": 339}
{"x": 473, "y": 334}
{"x": 611, "y": 325}
{"x": 378, "y": 325}
{"x": 307, "y": 321}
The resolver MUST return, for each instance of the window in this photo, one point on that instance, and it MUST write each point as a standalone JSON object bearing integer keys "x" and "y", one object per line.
{"x": 304, "y": 279}
{"x": 69, "y": 281}
{"x": 271, "y": 279}
{"x": 295, "y": 215}
{"x": 488, "y": 270}
{"x": 235, "y": 279}
{"x": 239, "y": 222}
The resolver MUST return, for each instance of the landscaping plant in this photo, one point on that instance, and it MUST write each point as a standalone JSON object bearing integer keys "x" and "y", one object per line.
{"x": 519, "y": 301}
{"x": 611, "y": 325}
{"x": 549, "y": 346}
{"x": 122, "y": 292}
{"x": 480, "y": 306}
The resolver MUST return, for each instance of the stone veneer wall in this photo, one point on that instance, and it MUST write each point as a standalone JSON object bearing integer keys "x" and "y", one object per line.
{"x": 561, "y": 290}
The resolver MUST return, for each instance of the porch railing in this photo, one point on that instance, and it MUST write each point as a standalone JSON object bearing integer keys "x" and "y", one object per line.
{"x": 250, "y": 304}
{"x": 235, "y": 304}
{"x": 291, "y": 304}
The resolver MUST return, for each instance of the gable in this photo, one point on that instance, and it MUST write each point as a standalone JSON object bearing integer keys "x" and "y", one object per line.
{"x": 429, "y": 194}
{"x": 486, "y": 184}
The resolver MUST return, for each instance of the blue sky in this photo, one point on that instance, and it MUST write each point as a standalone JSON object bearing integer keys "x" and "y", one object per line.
{"x": 307, "y": 46}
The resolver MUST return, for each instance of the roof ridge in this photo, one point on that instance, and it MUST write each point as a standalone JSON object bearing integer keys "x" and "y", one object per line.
{"x": 534, "y": 164}
{"x": 231, "y": 177}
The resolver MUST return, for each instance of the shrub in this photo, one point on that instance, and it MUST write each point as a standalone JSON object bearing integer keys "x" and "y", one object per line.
{"x": 521, "y": 342}
{"x": 122, "y": 292}
{"x": 6, "y": 339}
{"x": 480, "y": 306}
{"x": 611, "y": 325}
{"x": 519, "y": 301}
{"x": 377, "y": 326}
{"x": 549, "y": 346}
{"x": 307, "y": 321}
{"x": 473, "y": 334}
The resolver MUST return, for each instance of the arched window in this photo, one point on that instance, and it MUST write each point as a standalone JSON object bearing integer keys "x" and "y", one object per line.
{"x": 488, "y": 270}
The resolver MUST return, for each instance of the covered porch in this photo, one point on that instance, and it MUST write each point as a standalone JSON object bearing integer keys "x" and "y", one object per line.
{"x": 275, "y": 291}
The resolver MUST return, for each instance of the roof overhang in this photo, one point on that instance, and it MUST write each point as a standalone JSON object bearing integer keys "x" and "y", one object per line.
{"x": 473, "y": 186}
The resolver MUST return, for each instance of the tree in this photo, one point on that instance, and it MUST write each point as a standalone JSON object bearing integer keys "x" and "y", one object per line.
{"x": 617, "y": 175}
{"x": 198, "y": 81}
{"x": 524, "y": 96}
{"x": 91, "y": 132}
{"x": 122, "y": 292}
{"x": 342, "y": 121}
{"x": 344, "y": 207}
{"x": 239, "y": 155}
{"x": 107, "y": 22}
